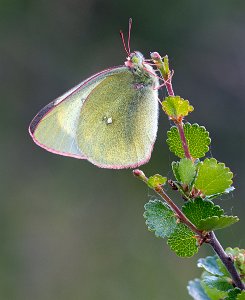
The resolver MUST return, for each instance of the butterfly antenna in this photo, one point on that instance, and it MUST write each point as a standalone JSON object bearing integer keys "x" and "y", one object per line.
{"x": 124, "y": 45}
{"x": 129, "y": 33}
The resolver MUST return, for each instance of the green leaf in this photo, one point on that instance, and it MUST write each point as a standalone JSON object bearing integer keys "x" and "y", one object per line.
{"x": 198, "y": 209}
{"x": 196, "y": 291}
{"x": 210, "y": 265}
{"x": 223, "y": 268}
{"x": 213, "y": 177}
{"x": 174, "y": 142}
{"x": 232, "y": 294}
{"x": 213, "y": 293}
{"x": 184, "y": 170}
{"x": 219, "y": 283}
{"x": 238, "y": 256}
{"x": 241, "y": 296}
{"x": 234, "y": 252}
{"x": 175, "y": 168}
{"x": 155, "y": 180}
{"x": 182, "y": 241}
{"x": 176, "y": 107}
{"x": 197, "y": 138}
{"x": 160, "y": 218}
{"x": 214, "y": 223}
{"x": 207, "y": 216}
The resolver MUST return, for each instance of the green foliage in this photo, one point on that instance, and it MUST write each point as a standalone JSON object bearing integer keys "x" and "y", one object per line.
{"x": 199, "y": 209}
{"x": 213, "y": 177}
{"x": 214, "y": 223}
{"x": 238, "y": 256}
{"x": 207, "y": 216}
{"x": 160, "y": 218}
{"x": 176, "y": 107}
{"x": 183, "y": 241}
{"x": 155, "y": 180}
{"x": 212, "y": 292}
{"x": 197, "y": 138}
{"x": 184, "y": 170}
{"x": 241, "y": 296}
{"x": 197, "y": 182}
{"x": 209, "y": 178}
{"x": 218, "y": 282}
{"x": 215, "y": 282}
{"x": 210, "y": 265}
{"x": 232, "y": 294}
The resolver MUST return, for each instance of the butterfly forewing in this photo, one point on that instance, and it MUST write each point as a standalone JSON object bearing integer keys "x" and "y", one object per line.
{"x": 55, "y": 127}
{"x": 110, "y": 119}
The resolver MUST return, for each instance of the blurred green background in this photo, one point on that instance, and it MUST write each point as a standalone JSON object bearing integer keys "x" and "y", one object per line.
{"x": 70, "y": 230}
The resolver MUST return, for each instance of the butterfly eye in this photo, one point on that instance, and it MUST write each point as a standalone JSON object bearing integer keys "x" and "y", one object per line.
{"x": 135, "y": 59}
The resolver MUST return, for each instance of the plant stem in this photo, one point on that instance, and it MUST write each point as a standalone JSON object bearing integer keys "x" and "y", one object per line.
{"x": 180, "y": 215}
{"x": 159, "y": 190}
{"x": 178, "y": 123}
{"x": 169, "y": 87}
{"x": 209, "y": 238}
{"x": 226, "y": 259}
{"x": 212, "y": 240}
{"x": 180, "y": 127}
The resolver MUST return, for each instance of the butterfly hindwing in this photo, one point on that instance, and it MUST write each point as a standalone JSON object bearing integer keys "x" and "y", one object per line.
{"x": 122, "y": 127}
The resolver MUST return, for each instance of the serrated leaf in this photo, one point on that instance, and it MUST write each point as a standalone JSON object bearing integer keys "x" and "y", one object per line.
{"x": 241, "y": 296}
{"x": 232, "y": 294}
{"x": 176, "y": 107}
{"x": 197, "y": 138}
{"x": 209, "y": 263}
{"x": 213, "y": 293}
{"x": 155, "y": 180}
{"x": 219, "y": 283}
{"x": 196, "y": 291}
{"x": 198, "y": 209}
{"x": 160, "y": 218}
{"x": 213, "y": 177}
{"x": 182, "y": 241}
{"x": 214, "y": 223}
{"x": 184, "y": 170}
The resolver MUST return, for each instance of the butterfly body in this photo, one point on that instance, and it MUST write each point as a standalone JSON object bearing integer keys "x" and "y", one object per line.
{"x": 109, "y": 119}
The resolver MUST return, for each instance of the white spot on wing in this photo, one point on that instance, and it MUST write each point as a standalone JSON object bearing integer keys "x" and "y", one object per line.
{"x": 108, "y": 120}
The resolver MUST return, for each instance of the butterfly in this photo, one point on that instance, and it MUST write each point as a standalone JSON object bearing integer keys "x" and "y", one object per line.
{"x": 110, "y": 119}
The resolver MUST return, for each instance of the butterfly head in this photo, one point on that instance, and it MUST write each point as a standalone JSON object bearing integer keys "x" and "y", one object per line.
{"x": 135, "y": 59}
{"x": 143, "y": 72}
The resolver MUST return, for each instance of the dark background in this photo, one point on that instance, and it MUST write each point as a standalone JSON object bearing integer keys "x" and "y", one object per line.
{"x": 70, "y": 230}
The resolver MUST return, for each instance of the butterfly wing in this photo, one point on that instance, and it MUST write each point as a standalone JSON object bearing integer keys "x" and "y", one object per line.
{"x": 118, "y": 122}
{"x": 109, "y": 119}
{"x": 54, "y": 127}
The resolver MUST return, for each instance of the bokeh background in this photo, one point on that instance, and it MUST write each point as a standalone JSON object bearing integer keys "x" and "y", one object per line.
{"x": 70, "y": 230}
